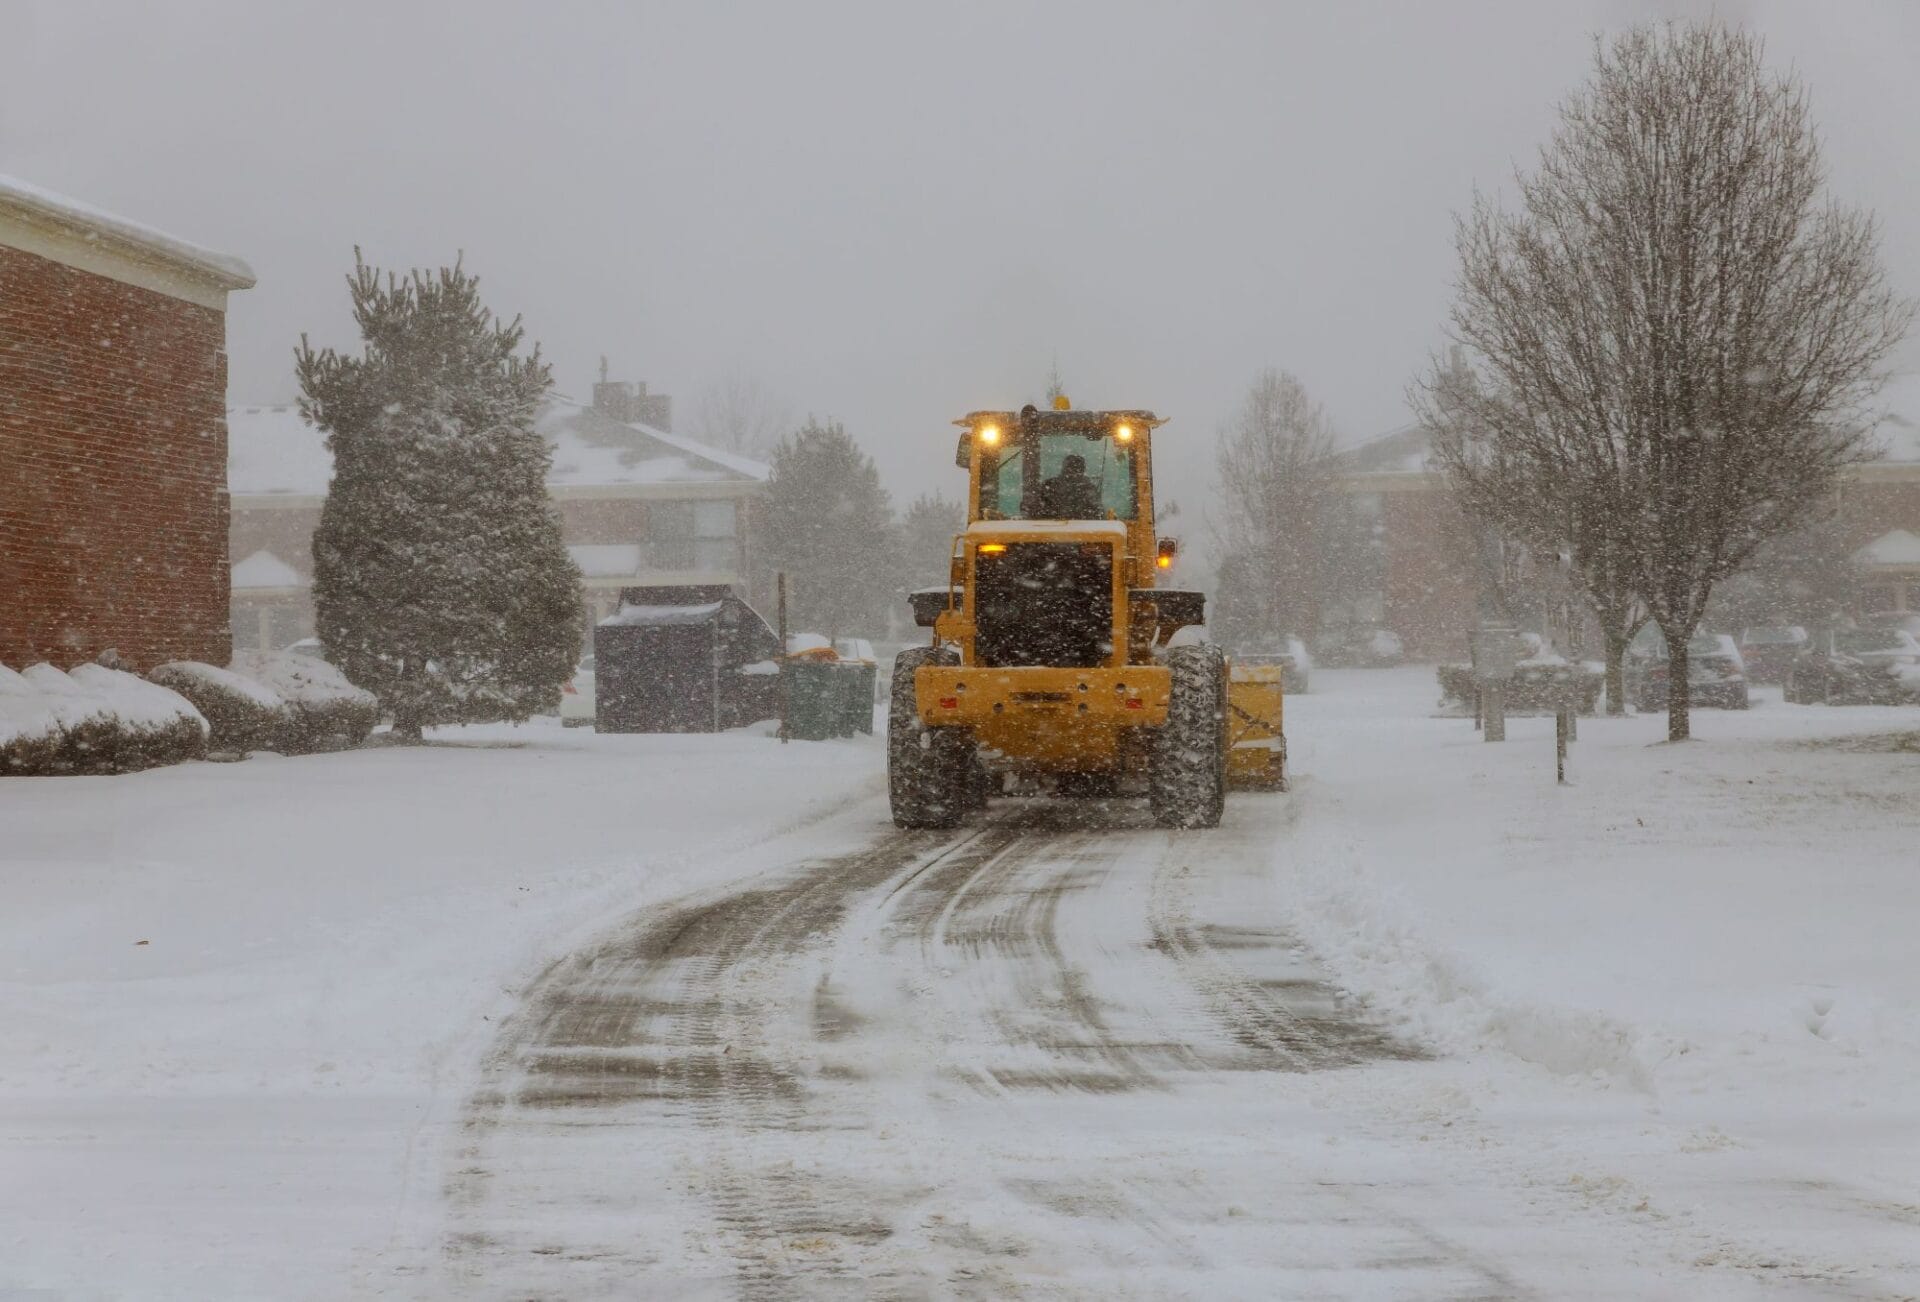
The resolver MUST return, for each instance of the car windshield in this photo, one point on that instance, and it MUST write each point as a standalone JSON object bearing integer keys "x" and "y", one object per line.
{"x": 1772, "y": 636}
{"x": 1869, "y": 639}
{"x": 1099, "y": 488}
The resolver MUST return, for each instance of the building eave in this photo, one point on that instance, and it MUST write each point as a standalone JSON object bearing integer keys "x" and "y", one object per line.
{"x": 75, "y": 235}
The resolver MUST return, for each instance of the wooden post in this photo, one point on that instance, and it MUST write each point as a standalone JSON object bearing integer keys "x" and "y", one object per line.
{"x": 780, "y": 585}
{"x": 1562, "y": 719}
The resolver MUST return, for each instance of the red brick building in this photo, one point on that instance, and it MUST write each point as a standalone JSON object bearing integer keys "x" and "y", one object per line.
{"x": 113, "y": 447}
{"x": 1422, "y": 582}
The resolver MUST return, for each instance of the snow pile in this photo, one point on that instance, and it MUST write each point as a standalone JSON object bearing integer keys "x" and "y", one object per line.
{"x": 92, "y": 720}
{"x": 326, "y": 712}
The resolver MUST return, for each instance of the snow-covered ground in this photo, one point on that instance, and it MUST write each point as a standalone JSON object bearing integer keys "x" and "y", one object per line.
{"x": 232, "y": 995}
{"x": 1706, "y": 950}
{"x": 1674, "y": 1008}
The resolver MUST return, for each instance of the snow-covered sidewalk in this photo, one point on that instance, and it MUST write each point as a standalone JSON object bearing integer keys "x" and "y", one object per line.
{"x": 231, "y": 995}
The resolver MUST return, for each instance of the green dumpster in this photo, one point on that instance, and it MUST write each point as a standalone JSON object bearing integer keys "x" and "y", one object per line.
{"x": 816, "y": 698}
{"x": 859, "y": 678}
{"x": 828, "y": 697}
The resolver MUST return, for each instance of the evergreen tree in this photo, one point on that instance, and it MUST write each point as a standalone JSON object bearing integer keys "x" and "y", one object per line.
{"x": 926, "y": 539}
{"x": 440, "y": 580}
{"x": 829, "y": 525}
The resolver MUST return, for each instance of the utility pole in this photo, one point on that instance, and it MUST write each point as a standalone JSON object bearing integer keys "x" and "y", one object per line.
{"x": 780, "y": 586}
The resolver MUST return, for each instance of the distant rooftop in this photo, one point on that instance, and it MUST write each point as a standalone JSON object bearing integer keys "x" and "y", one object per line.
{"x": 1404, "y": 451}
{"x": 271, "y": 450}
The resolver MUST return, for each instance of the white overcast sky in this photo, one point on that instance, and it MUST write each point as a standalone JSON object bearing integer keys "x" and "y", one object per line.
{"x": 888, "y": 213}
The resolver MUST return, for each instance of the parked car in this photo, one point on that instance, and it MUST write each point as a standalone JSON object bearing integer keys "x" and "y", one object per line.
{"x": 1539, "y": 674}
{"x": 576, "y": 698}
{"x": 1296, "y": 664}
{"x": 1364, "y": 646}
{"x": 1907, "y": 621}
{"x": 1771, "y": 651}
{"x": 1862, "y": 666}
{"x": 1716, "y": 675}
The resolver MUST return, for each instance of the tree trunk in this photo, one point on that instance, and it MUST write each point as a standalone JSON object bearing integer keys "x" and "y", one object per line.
{"x": 407, "y": 728}
{"x": 1617, "y": 672}
{"x": 1679, "y": 721}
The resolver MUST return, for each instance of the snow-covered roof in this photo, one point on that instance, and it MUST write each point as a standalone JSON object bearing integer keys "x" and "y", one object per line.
{"x": 606, "y": 560}
{"x": 1901, "y": 547}
{"x": 654, "y": 616}
{"x": 1405, "y": 451}
{"x": 1399, "y": 452}
{"x": 262, "y": 569}
{"x": 592, "y": 448}
{"x": 272, "y": 450}
{"x": 44, "y": 207}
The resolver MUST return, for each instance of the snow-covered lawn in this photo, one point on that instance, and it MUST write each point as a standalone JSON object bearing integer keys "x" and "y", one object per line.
{"x": 1710, "y": 951}
{"x": 1686, "y": 987}
{"x": 231, "y": 995}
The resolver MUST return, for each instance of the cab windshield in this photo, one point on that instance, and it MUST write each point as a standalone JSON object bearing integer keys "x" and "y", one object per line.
{"x": 1099, "y": 487}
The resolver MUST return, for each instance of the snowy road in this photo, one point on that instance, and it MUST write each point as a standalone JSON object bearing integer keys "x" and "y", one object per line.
{"x": 1018, "y": 1056}
{"x": 1059, "y": 1053}
{"x": 536, "y": 1013}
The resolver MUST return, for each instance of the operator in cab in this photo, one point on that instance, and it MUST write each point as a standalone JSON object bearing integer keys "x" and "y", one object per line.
{"x": 1069, "y": 495}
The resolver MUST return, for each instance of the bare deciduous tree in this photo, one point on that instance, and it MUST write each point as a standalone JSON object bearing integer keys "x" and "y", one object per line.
{"x": 1675, "y": 335}
{"x": 1275, "y": 466}
{"x": 1510, "y": 474}
{"x": 738, "y": 413}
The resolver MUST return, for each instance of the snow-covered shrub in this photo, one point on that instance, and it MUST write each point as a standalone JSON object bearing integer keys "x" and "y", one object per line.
{"x": 325, "y": 711}
{"x": 94, "y": 720}
{"x": 30, "y": 733}
{"x": 244, "y": 714}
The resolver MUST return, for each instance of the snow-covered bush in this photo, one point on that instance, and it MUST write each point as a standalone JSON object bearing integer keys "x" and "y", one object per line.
{"x": 93, "y": 720}
{"x": 324, "y": 710}
{"x": 30, "y": 733}
{"x": 243, "y": 714}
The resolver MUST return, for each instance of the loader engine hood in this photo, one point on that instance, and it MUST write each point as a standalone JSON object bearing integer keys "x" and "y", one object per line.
{"x": 1043, "y": 593}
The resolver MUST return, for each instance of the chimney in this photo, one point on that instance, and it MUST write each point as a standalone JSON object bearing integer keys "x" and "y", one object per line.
{"x": 631, "y": 404}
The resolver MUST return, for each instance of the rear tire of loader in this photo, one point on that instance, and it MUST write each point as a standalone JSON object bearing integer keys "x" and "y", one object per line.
{"x": 1187, "y": 774}
{"x": 929, "y": 770}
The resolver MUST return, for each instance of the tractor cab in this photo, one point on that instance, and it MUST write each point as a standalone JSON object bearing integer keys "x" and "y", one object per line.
{"x": 1062, "y": 465}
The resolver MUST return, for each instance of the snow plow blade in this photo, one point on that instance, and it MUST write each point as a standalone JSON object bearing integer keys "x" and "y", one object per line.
{"x": 1257, "y": 745}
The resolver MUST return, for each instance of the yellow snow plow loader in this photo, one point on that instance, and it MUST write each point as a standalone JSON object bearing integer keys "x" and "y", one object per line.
{"x": 1061, "y": 658}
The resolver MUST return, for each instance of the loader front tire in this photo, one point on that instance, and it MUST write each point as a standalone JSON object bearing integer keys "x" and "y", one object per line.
{"x": 930, "y": 782}
{"x": 1187, "y": 772}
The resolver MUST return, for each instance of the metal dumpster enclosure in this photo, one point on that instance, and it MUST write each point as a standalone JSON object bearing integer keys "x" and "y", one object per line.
{"x": 671, "y": 660}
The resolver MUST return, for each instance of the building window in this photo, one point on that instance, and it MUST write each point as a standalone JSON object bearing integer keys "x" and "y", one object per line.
{"x": 692, "y": 536}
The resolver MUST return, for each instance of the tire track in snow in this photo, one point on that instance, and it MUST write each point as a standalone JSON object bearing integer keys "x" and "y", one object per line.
{"x": 741, "y": 1058}
{"x": 656, "y": 1031}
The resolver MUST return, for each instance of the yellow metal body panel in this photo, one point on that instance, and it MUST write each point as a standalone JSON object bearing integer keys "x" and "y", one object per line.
{"x": 1256, "y": 740}
{"x": 1042, "y": 719}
